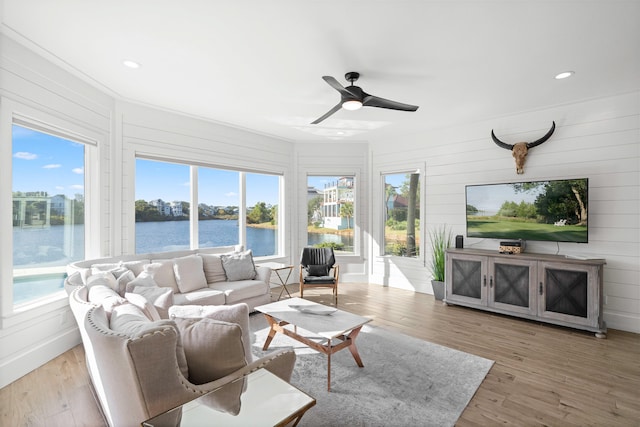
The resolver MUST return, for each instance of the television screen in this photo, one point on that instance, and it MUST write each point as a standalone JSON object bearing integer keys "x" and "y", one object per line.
{"x": 541, "y": 210}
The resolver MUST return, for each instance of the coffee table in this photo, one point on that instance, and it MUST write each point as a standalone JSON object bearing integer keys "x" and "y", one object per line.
{"x": 339, "y": 327}
{"x": 266, "y": 401}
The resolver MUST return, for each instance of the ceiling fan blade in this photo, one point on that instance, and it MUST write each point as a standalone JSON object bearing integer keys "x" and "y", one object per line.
{"x": 327, "y": 114}
{"x": 337, "y": 86}
{"x": 375, "y": 101}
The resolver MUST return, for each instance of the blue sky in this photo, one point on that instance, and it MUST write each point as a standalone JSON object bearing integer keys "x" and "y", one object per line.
{"x": 42, "y": 162}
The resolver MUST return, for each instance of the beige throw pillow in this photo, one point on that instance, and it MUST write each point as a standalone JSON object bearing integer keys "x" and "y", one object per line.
{"x": 213, "y": 270}
{"x": 213, "y": 348}
{"x": 162, "y": 273}
{"x": 189, "y": 273}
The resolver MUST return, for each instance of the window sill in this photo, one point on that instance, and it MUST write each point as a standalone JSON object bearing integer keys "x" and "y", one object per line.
{"x": 35, "y": 309}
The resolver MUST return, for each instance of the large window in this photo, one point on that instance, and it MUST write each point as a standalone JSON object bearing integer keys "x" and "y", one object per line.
{"x": 48, "y": 212}
{"x": 330, "y": 212}
{"x": 401, "y": 214}
{"x": 163, "y": 205}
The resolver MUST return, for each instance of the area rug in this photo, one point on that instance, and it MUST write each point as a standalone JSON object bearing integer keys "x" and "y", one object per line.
{"x": 405, "y": 381}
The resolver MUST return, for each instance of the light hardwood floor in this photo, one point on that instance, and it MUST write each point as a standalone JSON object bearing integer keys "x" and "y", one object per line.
{"x": 543, "y": 375}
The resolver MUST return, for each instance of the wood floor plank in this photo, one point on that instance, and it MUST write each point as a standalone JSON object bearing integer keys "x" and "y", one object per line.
{"x": 543, "y": 374}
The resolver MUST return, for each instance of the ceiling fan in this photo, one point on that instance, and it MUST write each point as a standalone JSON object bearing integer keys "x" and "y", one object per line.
{"x": 353, "y": 97}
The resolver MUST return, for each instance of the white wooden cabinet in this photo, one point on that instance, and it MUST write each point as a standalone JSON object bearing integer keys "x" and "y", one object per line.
{"x": 547, "y": 288}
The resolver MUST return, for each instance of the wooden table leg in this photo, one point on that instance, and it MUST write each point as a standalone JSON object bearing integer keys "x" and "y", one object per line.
{"x": 329, "y": 367}
{"x": 353, "y": 349}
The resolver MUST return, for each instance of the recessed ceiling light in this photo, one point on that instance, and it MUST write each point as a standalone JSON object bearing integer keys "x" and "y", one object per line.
{"x": 564, "y": 75}
{"x": 130, "y": 64}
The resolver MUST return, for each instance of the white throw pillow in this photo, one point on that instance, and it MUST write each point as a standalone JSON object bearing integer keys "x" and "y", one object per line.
{"x": 189, "y": 273}
{"x": 136, "y": 266}
{"x": 143, "y": 304}
{"x": 161, "y": 298}
{"x": 103, "y": 278}
{"x": 213, "y": 270}
{"x": 162, "y": 273}
{"x": 239, "y": 266}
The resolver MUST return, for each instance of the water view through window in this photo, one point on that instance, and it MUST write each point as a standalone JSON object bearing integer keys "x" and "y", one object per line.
{"x": 48, "y": 211}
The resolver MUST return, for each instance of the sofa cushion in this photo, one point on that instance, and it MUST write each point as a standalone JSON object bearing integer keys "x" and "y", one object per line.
{"x": 212, "y": 348}
{"x": 162, "y": 273}
{"x": 189, "y": 273}
{"x": 240, "y": 290}
{"x": 213, "y": 270}
{"x": 205, "y": 296}
{"x": 239, "y": 266}
{"x": 160, "y": 298}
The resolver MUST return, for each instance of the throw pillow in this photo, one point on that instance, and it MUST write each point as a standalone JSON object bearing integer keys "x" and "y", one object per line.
{"x": 103, "y": 295}
{"x": 213, "y": 270}
{"x": 161, "y": 298}
{"x": 239, "y": 266}
{"x": 213, "y": 348}
{"x": 189, "y": 273}
{"x": 143, "y": 304}
{"x": 130, "y": 320}
{"x": 236, "y": 313}
{"x": 136, "y": 266}
{"x": 124, "y": 280}
{"x": 318, "y": 270}
{"x": 144, "y": 279}
{"x": 162, "y": 273}
{"x": 103, "y": 278}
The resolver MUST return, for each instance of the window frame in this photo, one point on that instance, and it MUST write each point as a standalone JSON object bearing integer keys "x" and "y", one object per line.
{"x": 419, "y": 169}
{"x": 16, "y": 113}
{"x": 194, "y": 201}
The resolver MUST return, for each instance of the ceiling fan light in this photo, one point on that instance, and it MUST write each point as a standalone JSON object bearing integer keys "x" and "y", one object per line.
{"x": 352, "y": 104}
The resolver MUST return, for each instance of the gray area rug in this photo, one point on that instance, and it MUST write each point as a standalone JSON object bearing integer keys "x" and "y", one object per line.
{"x": 404, "y": 382}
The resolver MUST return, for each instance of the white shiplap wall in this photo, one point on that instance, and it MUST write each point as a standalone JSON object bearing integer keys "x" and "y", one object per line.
{"x": 32, "y": 87}
{"x": 598, "y": 139}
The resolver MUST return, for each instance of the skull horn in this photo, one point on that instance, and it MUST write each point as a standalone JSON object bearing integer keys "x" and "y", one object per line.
{"x": 544, "y": 138}
{"x": 500, "y": 143}
{"x": 529, "y": 144}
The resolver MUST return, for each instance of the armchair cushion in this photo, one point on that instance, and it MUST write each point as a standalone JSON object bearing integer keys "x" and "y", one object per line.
{"x": 318, "y": 270}
{"x": 212, "y": 348}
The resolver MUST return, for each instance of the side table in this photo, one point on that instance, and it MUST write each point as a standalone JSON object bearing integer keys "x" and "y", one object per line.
{"x": 280, "y": 269}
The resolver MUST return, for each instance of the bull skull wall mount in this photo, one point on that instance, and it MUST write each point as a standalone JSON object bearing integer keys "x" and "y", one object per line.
{"x": 520, "y": 149}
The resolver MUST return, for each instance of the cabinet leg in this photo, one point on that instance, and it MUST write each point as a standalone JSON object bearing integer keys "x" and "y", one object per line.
{"x": 601, "y": 335}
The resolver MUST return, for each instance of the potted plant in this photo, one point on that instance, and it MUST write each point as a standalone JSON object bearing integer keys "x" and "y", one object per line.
{"x": 440, "y": 240}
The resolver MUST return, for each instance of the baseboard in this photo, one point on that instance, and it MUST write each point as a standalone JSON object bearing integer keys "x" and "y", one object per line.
{"x": 35, "y": 356}
{"x": 622, "y": 322}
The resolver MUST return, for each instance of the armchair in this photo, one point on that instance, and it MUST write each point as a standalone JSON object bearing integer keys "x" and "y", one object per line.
{"x": 318, "y": 269}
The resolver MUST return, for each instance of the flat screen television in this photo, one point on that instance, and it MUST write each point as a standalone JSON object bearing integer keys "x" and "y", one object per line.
{"x": 555, "y": 210}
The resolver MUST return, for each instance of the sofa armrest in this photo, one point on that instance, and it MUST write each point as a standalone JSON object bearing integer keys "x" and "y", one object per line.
{"x": 263, "y": 274}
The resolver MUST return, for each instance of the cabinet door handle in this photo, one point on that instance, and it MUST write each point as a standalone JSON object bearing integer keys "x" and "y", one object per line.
{"x": 491, "y": 281}
{"x": 540, "y": 288}
{"x": 484, "y": 281}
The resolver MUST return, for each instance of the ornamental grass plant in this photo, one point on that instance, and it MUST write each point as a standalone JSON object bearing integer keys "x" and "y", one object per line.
{"x": 440, "y": 238}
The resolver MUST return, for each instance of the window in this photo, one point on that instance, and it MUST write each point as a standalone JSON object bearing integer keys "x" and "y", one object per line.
{"x": 164, "y": 199}
{"x": 218, "y": 207}
{"x": 330, "y": 212}
{"x": 401, "y": 214}
{"x": 262, "y": 197}
{"x": 163, "y": 191}
{"x": 48, "y": 192}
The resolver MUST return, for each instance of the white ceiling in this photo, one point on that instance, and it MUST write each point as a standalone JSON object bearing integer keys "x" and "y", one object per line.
{"x": 258, "y": 64}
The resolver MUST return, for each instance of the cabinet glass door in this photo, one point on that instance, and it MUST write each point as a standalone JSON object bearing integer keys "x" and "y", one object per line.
{"x": 567, "y": 293}
{"x": 512, "y": 285}
{"x": 466, "y": 279}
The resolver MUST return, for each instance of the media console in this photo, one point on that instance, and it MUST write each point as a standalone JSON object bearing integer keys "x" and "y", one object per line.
{"x": 547, "y": 288}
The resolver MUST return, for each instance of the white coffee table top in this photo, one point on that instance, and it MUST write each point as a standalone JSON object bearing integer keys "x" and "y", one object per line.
{"x": 325, "y": 325}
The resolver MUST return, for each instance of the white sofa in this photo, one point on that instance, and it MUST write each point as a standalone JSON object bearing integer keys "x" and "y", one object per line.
{"x": 142, "y": 365}
{"x": 205, "y": 276}
{"x": 162, "y": 329}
